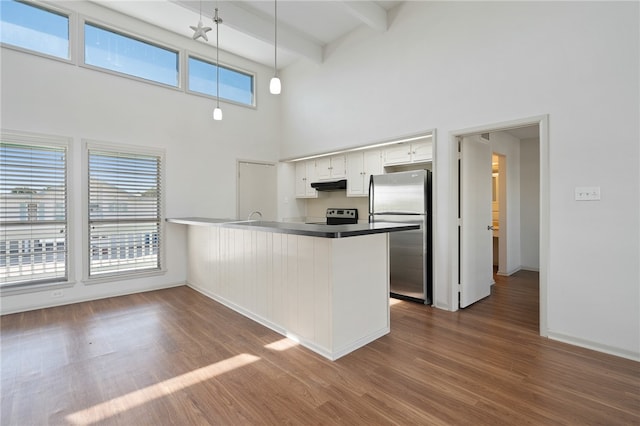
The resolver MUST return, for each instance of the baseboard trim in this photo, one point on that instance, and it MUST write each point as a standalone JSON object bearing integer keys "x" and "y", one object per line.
{"x": 588, "y": 344}
{"x": 71, "y": 301}
{"x": 508, "y": 273}
{"x": 325, "y": 352}
{"x": 329, "y": 353}
{"x": 530, "y": 268}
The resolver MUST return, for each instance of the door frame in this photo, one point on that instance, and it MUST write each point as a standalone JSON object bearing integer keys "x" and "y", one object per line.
{"x": 237, "y": 181}
{"x": 543, "y": 127}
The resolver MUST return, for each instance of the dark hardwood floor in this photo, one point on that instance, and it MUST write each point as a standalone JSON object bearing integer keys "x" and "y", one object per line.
{"x": 177, "y": 357}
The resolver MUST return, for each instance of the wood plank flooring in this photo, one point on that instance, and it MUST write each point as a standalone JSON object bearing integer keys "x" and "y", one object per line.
{"x": 177, "y": 357}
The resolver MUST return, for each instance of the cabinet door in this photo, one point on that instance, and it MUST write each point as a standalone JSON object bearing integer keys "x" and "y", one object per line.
{"x": 422, "y": 151}
{"x": 305, "y": 174}
{"x": 311, "y": 177}
{"x": 372, "y": 166}
{"x": 355, "y": 174}
{"x": 398, "y": 154}
{"x": 323, "y": 168}
{"x": 301, "y": 179}
{"x": 338, "y": 167}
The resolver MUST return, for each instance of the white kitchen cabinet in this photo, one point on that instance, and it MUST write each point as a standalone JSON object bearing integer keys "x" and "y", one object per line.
{"x": 407, "y": 153}
{"x": 305, "y": 174}
{"x": 422, "y": 151}
{"x": 360, "y": 166}
{"x": 328, "y": 168}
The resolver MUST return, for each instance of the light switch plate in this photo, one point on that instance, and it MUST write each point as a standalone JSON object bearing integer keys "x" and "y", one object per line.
{"x": 587, "y": 193}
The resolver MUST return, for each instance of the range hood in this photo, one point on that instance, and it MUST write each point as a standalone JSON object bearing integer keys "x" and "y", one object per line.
{"x": 335, "y": 185}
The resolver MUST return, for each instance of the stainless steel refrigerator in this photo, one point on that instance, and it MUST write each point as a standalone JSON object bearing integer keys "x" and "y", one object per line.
{"x": 405, "y": 197}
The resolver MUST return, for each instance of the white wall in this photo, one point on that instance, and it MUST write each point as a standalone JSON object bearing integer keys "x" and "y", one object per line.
{"x": 530, "y": 204}
{"x": 51, "y": 97}
{"x": 457, "y": 65}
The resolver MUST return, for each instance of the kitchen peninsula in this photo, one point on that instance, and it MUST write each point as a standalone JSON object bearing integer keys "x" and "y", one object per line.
{"x": 324, "y": 286}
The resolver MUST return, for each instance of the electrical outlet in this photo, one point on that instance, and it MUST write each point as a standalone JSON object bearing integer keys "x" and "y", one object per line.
{"x": 57, "y": 293}
{"x": 587, "y": 193}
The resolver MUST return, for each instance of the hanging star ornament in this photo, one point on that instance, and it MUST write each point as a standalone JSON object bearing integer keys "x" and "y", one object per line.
{"x": 200, "y": 31}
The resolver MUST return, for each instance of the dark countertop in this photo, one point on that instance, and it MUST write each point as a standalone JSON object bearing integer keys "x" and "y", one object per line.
{"x": 309, "y": 230}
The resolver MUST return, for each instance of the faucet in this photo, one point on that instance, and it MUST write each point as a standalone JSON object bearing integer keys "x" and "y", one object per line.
{"x": 254, "y": 212}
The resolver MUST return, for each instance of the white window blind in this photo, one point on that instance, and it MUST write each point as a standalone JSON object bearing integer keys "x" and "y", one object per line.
{"x": 124, "y": 212}
{"x": 33, "y": 213}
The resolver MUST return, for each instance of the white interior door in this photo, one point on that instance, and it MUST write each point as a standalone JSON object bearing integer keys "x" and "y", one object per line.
{"x": 476, "y": 248}
{"x": 257, "y": 190}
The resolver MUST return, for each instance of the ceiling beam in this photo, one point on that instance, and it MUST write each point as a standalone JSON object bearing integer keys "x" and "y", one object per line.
{"x": 369, "y": 13}
{"x": 261, "y": 28}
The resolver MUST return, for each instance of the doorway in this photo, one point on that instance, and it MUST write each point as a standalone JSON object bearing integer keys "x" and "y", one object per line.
{"x": 498, "y": 210}
{"x": 515, "y": 220}
{"x": 257, "y": 190}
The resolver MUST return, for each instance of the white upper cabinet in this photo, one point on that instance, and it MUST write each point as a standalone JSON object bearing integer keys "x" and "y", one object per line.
{"x": 328, "y": 168}
{"x": 360, "y": 167}
{"x": 422, "y": 151}
{"x": 305, "y": 175}
{"x": 407, "y": 153}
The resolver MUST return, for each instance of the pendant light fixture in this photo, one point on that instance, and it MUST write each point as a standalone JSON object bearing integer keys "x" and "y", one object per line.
{"x": 217, "y": 112}
{"x": 274, "y": 85}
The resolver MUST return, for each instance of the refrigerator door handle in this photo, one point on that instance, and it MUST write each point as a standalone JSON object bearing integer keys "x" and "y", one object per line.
{"x": 371, "y": 195}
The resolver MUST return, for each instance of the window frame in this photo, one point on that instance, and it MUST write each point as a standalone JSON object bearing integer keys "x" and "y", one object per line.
{"x": 84, "y": 20}
{"x": 190, "y": 54}
{"x": 88, "y": 144}
{"x": 79, "y": 17}
{"x": 72, "y": 34}
{"x": 43, "y": 140}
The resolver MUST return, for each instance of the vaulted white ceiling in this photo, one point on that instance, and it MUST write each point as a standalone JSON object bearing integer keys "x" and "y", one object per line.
{"x": 305, "y": 27}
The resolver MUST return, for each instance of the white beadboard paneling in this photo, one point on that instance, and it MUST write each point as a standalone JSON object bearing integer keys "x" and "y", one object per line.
{"x": 214, "y": 258}
{"x": 330, "y": 295}
{"x": 291, "y": 297}
{"x": 263, "y": 277}
{"x": 305, "y": 283}
{"x": 323, "y": 320}
{"x": 278, "y": 310}
{"x": 360, "y": 295}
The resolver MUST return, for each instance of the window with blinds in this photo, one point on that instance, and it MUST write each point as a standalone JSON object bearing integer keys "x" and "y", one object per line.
{"x": 33, "y": 213}
{"x": 124, "y": 212}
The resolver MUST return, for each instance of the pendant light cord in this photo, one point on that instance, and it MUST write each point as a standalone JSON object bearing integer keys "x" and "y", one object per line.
{"x": 275, "y": 39}
{"x": 218, "y": 20}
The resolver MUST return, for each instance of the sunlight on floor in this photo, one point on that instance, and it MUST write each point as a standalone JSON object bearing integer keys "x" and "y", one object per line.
{"x": 393, "y": 301}
{"x": 134, "y": 399}
{"x": 282, "y": 344}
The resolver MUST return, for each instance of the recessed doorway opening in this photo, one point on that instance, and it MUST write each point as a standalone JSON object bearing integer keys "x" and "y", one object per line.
{"x": 511, "y": 163}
